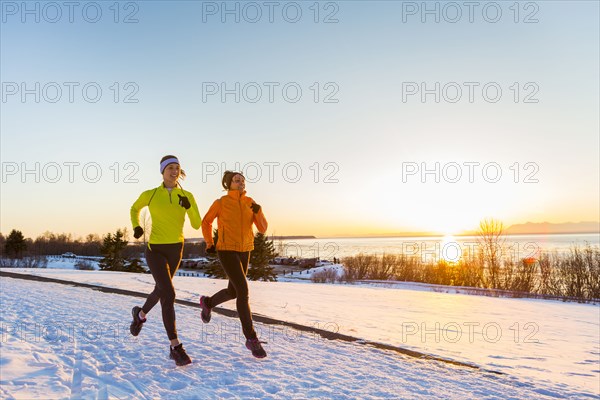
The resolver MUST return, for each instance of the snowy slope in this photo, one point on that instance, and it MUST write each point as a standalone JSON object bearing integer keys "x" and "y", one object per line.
{"x": 541, "y": 341}
{"x": 66, "y": 342}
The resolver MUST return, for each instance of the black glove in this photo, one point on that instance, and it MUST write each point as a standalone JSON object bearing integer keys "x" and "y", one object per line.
{"x": 138, "y": 232}
{"x": 255, "y": 208}
{"x": 211, "y": 250}
{"x": 184, "y": 202}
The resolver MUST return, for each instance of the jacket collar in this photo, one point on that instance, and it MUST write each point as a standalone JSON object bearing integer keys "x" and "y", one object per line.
{"x": 236, "y": 194}
{"x": 163, "y": 187}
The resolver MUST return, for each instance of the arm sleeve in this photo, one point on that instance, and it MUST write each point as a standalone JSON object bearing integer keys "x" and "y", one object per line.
{"x": 213, "y": 212}
{"x": 193, "y": 213}
{"x": 260, "y": 221}
{"x": 140, "y": 203}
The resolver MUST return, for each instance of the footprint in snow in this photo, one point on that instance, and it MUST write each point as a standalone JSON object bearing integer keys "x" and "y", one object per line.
{"x": 178, "y": 385}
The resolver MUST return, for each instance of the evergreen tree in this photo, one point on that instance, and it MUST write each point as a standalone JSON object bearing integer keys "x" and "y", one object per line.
{"x": 15, "y": 244}
{"x": 264, "y": 251}
{"x": 112, "y": 250}
{"x": 2, "y": 244}
{"x": 214, "y": 268}
{"x": 134, "y": 265}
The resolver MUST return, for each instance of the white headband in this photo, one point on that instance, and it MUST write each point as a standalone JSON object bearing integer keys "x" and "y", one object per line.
{"x": 168, "y": 161}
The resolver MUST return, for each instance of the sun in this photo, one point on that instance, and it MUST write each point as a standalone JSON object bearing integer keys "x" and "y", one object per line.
{"x": 450, "y": 249}
{"x": 443, "y": 219}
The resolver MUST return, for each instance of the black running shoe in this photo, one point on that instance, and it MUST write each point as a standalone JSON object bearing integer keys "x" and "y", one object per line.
{"x": 254, "y": 345}
{"x": 136, "y": 324}
{"x": 179, "y": 355}
{"x": 206, "y": 311}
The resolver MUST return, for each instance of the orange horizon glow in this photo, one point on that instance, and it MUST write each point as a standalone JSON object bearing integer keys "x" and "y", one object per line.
{"x": 323, "y": 229}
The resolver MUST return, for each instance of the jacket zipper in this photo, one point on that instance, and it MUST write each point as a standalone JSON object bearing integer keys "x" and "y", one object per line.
{"x": 241, "y": 225}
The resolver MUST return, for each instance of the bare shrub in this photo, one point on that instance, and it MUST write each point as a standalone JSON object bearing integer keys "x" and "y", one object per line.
{"x": 469, "y": 271}
{"x": 592, "y": 263}
{"x": 407, "y": 268}
{"x": 359, "y": 266}
{"x": 548, "y": 280}
{"x": 85, "y": 265}
{"x": 6, "y": 262}
{"x": 573, "y": 271}
{"x": 384, "y": 268}
{"x": 573, "y": 275}
{"x": 525, "y": 276}
{"x": 25, "y": 262}
{"x": 328, "y": 275}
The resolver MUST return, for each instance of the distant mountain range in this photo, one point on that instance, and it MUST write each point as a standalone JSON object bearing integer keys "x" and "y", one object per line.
{"x": 548, "y": 227}
{"x": 516, "y": 229}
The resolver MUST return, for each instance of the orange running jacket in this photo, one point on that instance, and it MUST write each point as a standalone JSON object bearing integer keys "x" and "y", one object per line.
{"x": 234, "y": 222}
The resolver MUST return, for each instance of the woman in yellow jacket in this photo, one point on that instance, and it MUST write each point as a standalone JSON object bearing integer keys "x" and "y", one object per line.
{"x": 168, "y": 205}
{"x": 235, "y": 213}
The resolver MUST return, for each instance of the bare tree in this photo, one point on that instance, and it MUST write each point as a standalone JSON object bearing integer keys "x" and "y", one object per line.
{"x": 146, "y": 221}
{"x": 384, "y": 269}
{"x": 491, "y": 239}
{"x": 359, "y": 266}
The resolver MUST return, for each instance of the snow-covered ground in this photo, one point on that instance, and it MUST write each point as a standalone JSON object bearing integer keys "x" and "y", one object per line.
{"x": 546, "y": 344}
{"x": 69, "y": 263}
{"x": 60, "y": 341}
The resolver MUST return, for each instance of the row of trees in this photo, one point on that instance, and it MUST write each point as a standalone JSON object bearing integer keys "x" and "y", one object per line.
{"x": 15, "y": 245}
{"x": 50, "y": 243}
{"x": 118, "y": 255}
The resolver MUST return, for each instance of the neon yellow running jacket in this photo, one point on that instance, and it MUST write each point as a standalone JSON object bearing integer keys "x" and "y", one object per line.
{"x": 167, "y": 215}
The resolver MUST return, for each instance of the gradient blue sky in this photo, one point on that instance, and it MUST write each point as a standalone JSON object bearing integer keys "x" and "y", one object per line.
{"x": 368, "y": 134}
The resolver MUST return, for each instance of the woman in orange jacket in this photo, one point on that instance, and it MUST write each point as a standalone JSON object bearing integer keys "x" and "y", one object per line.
{"x": 235, "y": 213}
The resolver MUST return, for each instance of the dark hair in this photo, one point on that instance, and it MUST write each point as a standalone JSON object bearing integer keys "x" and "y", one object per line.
{"x": 182, "y": 172}
{"x": 228, "y": 177}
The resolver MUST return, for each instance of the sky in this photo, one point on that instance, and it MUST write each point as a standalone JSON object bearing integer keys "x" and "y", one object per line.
{"x": 375, "y": 119}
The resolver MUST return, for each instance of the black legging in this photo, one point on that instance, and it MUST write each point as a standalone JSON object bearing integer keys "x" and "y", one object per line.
{"x": 235, "y": 265}
{"x": 163, "y": 261}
